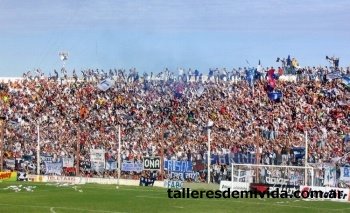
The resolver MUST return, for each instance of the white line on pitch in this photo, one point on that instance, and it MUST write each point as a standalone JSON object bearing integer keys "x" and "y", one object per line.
{"x": 51, "y": 210}
{"x": 88, "y": 210}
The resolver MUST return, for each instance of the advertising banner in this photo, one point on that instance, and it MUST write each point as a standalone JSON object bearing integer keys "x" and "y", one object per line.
{"x": 238, "y": 186}
{"x": 8, "y": 176}
{"x": 328, "y": 193}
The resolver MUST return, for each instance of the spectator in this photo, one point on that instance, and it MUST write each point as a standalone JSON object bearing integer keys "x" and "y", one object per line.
{"x": 77, "y": 110}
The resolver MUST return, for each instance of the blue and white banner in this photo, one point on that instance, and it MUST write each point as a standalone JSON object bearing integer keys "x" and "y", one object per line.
{"x": 146, "y": 181}
{"x": 132, "y": 167}
{"x": 172, "y": 184}
{"x": 334, "y": 75}
{"x": 275, "y": 95}
{"x": 183, "y": 175}
{"x": 345, "y": 174}
{"x": 111, "y": 165}
{"x": 97, "y": 159}
{"x": 330, "y": 176}
{"x": 237, "y": 158}
{"x": 67, "y": 162}
{"x": 53, "y": 168}
{"x": 85, "y": 165}
{"x": 10, "y": 163}
{"x": 250, "y": 75}
{"x": 45, "y": 158}
{"x": 346, "y": 80}
{"x": 178, "y": 166}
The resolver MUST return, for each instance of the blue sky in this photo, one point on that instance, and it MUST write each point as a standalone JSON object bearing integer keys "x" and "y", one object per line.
{"x": 154, "y": 34}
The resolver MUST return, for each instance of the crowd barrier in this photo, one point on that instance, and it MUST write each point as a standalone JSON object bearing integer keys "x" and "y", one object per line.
{"x": 86, "y": 180}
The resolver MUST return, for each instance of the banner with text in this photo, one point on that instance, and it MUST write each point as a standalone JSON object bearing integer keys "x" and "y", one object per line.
{"x": 151, "y": 163}
{"x": 132, "y": 166}
{"x": 237, "y": 158}
{"x": 172, "y": 184}
{"x": 97, "y": 159}
{"x": 46, "y": 158}
{"x": 183, "y": 175}
{"x": 178, "y": 166}
{"x": 8, "y": 176}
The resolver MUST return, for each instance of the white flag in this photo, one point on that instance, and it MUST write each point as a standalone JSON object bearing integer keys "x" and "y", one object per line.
{"x": 200, "y": 91}
{"x": 105, "y": 84}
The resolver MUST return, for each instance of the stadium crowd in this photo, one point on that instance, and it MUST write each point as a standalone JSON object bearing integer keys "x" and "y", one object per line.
{"x": 168, "y": 116}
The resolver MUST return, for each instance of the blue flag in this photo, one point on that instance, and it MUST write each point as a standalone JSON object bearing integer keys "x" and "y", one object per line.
{"x": 252, "y": 75}
{"x": 347, "y": 138}
{"x": 289, "y": 62}
{"x": 275, "y": 76}
{"x": 275, "y": 95}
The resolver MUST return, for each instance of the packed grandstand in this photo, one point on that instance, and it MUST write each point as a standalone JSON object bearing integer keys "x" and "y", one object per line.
{"x": 259, "y": 116}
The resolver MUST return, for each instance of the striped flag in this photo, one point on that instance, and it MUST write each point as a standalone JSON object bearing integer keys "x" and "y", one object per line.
{"x": 346, "y": 80}
{"x": 334, "y": 75}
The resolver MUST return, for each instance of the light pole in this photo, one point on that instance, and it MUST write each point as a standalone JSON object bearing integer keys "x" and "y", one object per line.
{"x": 2, "y": 128}
{"x": 209, "y": 126}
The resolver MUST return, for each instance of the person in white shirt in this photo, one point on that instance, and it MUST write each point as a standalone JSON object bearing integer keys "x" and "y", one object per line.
{"x": 181, "y": 72}
{"x": 189, "y": 74}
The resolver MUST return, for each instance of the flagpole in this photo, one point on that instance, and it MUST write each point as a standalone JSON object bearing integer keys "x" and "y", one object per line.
{"x": 77, "y": 153}
{"x": 38, "y": 150}
{"x": 119, "y": 152}
{"x": 306, "y": 157}
{"x": 2, "y": 126}
{"x": 209, "y": 158}
{"x": 162, "y": 154}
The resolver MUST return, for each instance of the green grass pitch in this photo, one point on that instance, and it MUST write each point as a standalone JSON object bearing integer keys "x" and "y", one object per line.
{"x": 108, "y": 199}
